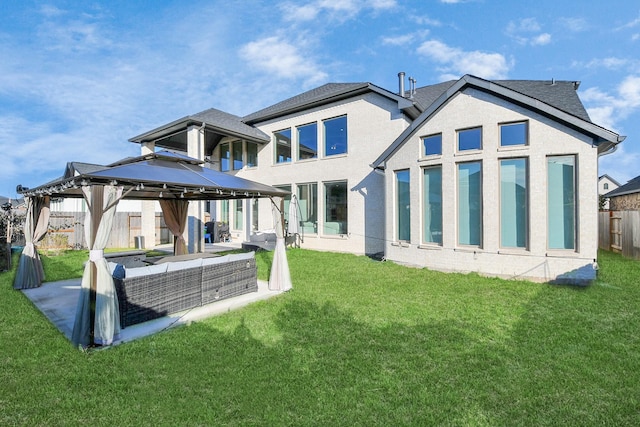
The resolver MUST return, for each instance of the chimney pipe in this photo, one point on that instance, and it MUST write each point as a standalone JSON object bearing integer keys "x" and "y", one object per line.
{"x": 401, "y": 83}
{"x": 412, "y": 90}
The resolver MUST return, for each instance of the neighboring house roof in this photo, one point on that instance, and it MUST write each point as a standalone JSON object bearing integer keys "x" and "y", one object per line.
{"x": 605, "y": 176}
{"x": 533, "y": 95}
{"x": 630, "y": 187}
{"x": 213, "y": 120}
{"x": 325, "y": 94}
{"x": 14, "y": 202}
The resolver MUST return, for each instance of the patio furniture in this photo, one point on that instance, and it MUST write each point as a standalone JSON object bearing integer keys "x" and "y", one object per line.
{"x": 155, "y": 291}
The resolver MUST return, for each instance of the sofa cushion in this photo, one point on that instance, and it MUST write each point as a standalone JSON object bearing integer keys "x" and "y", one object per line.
{"x": 145, "y": 271}
{"x": 215, "y": 260}
{"x": 182, "y": 265}
{"x": 241, "y": 256}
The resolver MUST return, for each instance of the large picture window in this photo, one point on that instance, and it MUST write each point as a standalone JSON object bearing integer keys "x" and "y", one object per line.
{"x": 432, "y": 205}
{"x": 470, "y": 139}
{"x": 307, "y": 141}
{"x": 335, "y": 136}
{"x": 335, "y": 217}
{"x": 308, "y": 200}
{"x": 403, "y": 205}
{"x": 513, "y": 203}
{"x": 561, "y": 202}
{"x": 470, "y": 203}
{"x": 283, "y": 145}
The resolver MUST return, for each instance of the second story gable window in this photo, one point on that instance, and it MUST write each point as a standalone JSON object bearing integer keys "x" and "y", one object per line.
{"x": 470, "y": 139}
{"x": 514, "y": 134}
{"x": 282, "y": 139}
{"x": 252, "y": 154}
{"x": 432, "y": 145}
{"x": 335, "y": 136}
{"x": 236, "y": 147}
{"x": 225, "y": 157}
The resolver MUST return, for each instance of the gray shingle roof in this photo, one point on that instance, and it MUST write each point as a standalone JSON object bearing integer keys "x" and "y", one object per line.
{"x": 630, "y": 187}
{"x": 230, "y": 122}
{"x": 306, "y": 100}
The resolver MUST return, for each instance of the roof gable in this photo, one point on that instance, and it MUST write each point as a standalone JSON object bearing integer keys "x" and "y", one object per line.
{"x": 603, "y": 137}
{"x": 633, "y": 186}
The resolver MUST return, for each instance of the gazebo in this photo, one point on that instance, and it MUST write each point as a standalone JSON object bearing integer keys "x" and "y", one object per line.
{"x": 172, "y": 179}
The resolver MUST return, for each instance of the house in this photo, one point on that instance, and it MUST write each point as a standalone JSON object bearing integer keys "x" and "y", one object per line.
{"x": 625, "y": 197}
{"x": 465, "y": 175}
{"x": 605, "y": 185}
{"x": 497, "y": 177}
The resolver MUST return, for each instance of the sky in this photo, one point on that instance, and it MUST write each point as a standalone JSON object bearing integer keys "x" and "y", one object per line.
{"x": 78, "y": 79}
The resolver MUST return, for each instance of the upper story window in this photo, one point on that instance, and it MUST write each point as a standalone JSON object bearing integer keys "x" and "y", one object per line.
{"x": 307, "y": 141}
{"x": 252, "y": 154}
{"x": 606, "y": 185}
{"x": 335, "y": 136}
{"x": 236, "y": 147}
{"x": 283, "y": 145}
{"x": 225, "y": 157}
{"x": 432, "y": 145}
{"x": 514, "y": 134}
{"x": 470, "y": 139}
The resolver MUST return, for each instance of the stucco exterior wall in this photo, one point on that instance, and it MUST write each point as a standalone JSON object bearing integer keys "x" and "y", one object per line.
{"x": 373, "y": 122}
{"x": 474, "y": 108}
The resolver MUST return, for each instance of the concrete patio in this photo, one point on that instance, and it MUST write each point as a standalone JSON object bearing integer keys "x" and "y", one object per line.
{"x": 58, "y": 301}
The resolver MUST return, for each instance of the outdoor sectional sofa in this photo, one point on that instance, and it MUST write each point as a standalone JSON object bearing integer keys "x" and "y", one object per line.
{"x": 146, "y": 293}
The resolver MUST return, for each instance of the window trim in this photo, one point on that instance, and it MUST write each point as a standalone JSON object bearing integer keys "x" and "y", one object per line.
{"x": 423, "y": 153}
{"x": 481, "y": 201}
{"x": 470, "y": 150}
{"x": 324, "y": 136}
{"x": 514, "y": 146}
{"x": 526, "y": 246}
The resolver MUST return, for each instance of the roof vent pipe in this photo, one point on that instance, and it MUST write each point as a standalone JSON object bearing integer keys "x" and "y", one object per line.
{"x": 413, "y": 87}
{"x": 401, "y": 83}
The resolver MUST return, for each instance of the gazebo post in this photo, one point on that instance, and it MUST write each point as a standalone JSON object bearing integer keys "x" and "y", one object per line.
{"x": 95, "y": 210}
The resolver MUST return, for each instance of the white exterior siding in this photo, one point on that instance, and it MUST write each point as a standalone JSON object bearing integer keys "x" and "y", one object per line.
{"x": 473, "y": 108}
{"x": 373, "y": 122}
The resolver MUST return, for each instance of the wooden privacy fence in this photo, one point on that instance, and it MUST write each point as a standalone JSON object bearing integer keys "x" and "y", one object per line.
{"x": 66, "y": 230}
{"x": 619, "y": 231}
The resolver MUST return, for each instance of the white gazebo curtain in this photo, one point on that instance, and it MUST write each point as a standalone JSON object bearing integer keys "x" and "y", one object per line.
{"x": 30, "y": 273}
{"x": 175, "y": 216}
{"x": 280, "y": 278}
{"x": 102, "y": 202}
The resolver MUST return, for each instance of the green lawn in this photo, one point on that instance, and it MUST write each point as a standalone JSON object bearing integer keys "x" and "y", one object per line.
{"x": 356, "y": 343}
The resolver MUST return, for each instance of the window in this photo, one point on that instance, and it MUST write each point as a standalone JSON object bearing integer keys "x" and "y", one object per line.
{"x": 308, "y": 141}
{"x": 283, "y": 146}
{"x": 335, "y": 216}
{"x": 432, "y": 202}
{"x": 606, "y": 186}
{"x": 225, "y": 157}
{"x": 561, "y": 202}
{"x": 237, "y": 217}
{"x": 470, "y": 139}
{"x": 287, "y": 199}
{"x": 224, "y": 211}
{"x": 335, "y": 136}
{"x": 432, "y": 144}
{"x": 236, "y": 147}
{"x": 513, "y": 203}
{"x": 252, "y": 154}
{"x": 308, "y": 200}
{"x": 514, "y": 134}
{"x": 403, "y": 206}
{"x": 470, "y": 203}
{"x": 254, "y": 213}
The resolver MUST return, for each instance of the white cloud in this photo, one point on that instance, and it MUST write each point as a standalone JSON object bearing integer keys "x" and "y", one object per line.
{"x": 608, "y": 110}
{"x": 282, "y": 59}
{"x": 631, "y": 24}
{"x": 340, "y": 10}
{"x": 541, "y": 40}
{"x": 524, "y": 32}
{"x": 635, "y": 37}
{"x": 454, "y": 61}
{"x": 574, "y": 24}
{"x": 425, "y": 20}
{"x": 405, "y": 39}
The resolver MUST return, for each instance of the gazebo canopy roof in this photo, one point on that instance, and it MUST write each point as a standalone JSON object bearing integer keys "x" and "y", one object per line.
{"x": 155, "y": 176}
